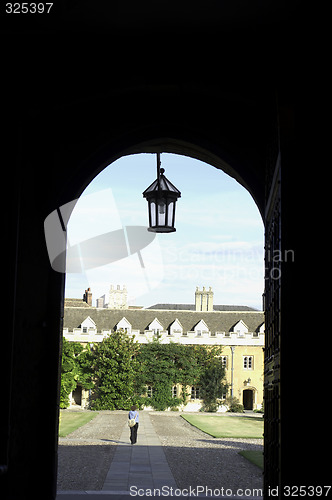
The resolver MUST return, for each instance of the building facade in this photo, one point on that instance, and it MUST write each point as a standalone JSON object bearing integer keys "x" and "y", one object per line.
{"x": 238, "y": 329}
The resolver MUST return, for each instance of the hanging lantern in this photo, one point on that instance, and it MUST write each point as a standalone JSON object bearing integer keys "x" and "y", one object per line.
{"x": 161, "y": 196}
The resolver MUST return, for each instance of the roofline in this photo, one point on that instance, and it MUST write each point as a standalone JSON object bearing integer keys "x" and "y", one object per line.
{"x": 193, "y": 311}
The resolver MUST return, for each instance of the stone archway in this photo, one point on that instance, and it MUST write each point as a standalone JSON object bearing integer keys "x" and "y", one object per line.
{"x": 82, "y": 146}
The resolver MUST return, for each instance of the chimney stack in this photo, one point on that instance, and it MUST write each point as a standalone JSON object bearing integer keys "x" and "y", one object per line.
{"x": 87, "y": 297}
{"x": 204, "y": 299}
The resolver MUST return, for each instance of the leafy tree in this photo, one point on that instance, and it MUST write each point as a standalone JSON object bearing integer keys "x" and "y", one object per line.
{"x": 212, "y": 386}
{"x": 113, "y": 368}
{"x": 71, "y": 371}
{"x": 119, "y": 369}
{"x": 164, "y": 365}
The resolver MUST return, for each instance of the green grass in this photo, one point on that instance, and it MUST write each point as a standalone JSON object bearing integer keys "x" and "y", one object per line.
{"x": 254, "y": 456}
{"x": 221, "y": 426}
{"x": 70, "y": 421}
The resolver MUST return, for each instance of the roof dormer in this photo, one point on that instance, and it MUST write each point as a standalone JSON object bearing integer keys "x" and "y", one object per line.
{"x": 88, "y": 324}
{"x": 200, "y": 328}
{"x": 175, "y": 327}
{"x": 155, "y": 326}
{"x": 240, "y": 328}
{"x": 124, "y": 324}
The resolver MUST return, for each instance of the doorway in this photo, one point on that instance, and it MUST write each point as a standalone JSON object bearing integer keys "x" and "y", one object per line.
{"x": 77, "y": 396}
{"x": 248, "y": 399}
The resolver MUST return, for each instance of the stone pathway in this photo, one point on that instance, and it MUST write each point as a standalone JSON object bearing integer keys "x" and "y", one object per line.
{"x": 142, "y": 465}
{"x": 137, "y": 470}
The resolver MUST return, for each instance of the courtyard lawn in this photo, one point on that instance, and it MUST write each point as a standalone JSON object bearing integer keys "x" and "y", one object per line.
{"x": 72, "y": 420}
{"x": 254, "y": 456}
{"x": 221, "y": 426}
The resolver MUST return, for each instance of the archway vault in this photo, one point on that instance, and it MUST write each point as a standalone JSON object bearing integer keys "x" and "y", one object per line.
{"x": 230, "y": 129}
{"x": 107, "y": 154}
{"x": 75, "y": 143}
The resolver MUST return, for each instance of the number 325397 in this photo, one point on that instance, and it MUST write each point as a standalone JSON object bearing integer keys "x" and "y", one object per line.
{"x": 28, "y": 8}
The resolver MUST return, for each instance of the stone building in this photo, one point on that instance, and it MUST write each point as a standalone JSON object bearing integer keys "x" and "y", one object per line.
{"x": 239, "y": 329}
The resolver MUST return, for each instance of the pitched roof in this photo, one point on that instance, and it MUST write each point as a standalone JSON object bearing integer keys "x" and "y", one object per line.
{"x": 76, "y": 303}
{"x": 107, "y": 319}
{"x": 191, "y": 307}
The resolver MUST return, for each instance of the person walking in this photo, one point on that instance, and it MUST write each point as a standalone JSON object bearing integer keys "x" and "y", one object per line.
{"x": 133, "y": 430}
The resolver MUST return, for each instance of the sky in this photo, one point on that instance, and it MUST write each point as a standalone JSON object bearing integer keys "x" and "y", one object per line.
{"x": 218, "y": 242}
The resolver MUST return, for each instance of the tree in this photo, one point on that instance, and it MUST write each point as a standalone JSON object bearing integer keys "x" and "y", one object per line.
{"x": 119, "y": 369}
{"x": 212, "y": 386}
{"x": 113, "y": 369}
{"x": 71, "y": 371}
{"x": 164, "y": 365}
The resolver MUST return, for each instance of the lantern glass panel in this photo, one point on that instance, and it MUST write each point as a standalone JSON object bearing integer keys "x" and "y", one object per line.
{"x": 153, "y": 213}
{"x": 161, "y": 212}
{"x": 170, "y": 213}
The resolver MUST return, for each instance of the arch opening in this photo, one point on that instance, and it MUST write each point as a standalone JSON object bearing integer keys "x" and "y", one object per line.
{"x": 208, "y": 208}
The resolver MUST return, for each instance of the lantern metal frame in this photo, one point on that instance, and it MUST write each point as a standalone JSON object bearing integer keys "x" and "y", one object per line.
{"x": 161, "y": 196}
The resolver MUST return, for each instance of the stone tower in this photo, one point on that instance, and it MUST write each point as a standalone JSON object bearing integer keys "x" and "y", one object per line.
{"x": 117, "y": 298}
{"x": 204, "y": 299}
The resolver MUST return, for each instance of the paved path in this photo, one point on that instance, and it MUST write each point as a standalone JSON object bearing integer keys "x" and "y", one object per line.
{"x": 142, "y": 465}
{"x": 139, "y": 466}
{"x": 137, "y": 470}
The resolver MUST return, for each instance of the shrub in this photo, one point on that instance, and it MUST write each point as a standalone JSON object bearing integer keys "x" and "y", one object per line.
{"x": 234, "y": 405}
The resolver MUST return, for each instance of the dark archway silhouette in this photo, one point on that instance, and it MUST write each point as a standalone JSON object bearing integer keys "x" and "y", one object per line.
{"x": 59, "y": 136}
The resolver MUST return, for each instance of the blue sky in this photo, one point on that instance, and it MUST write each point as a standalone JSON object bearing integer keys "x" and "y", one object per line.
{"x": 218, "y": 242}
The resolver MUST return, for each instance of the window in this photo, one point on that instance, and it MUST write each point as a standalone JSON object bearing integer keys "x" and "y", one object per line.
{"x": 194, "y": 392}
{"x": 248, "y": 362}
{"x": 85, "y": 329}
{"x": 149, "y": 391}
{"x": 212, "y": 334}
{"x": 199, "y": 333}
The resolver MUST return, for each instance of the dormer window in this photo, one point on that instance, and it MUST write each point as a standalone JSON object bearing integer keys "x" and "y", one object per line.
{"x": 155, "y": 326}
{"x": 201, "y": 328}
{"x": 88, "y": 325}
{"x": 240, "y": 328}
{"x": 175, "y": 328}
{"x": 124, "y": 325}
